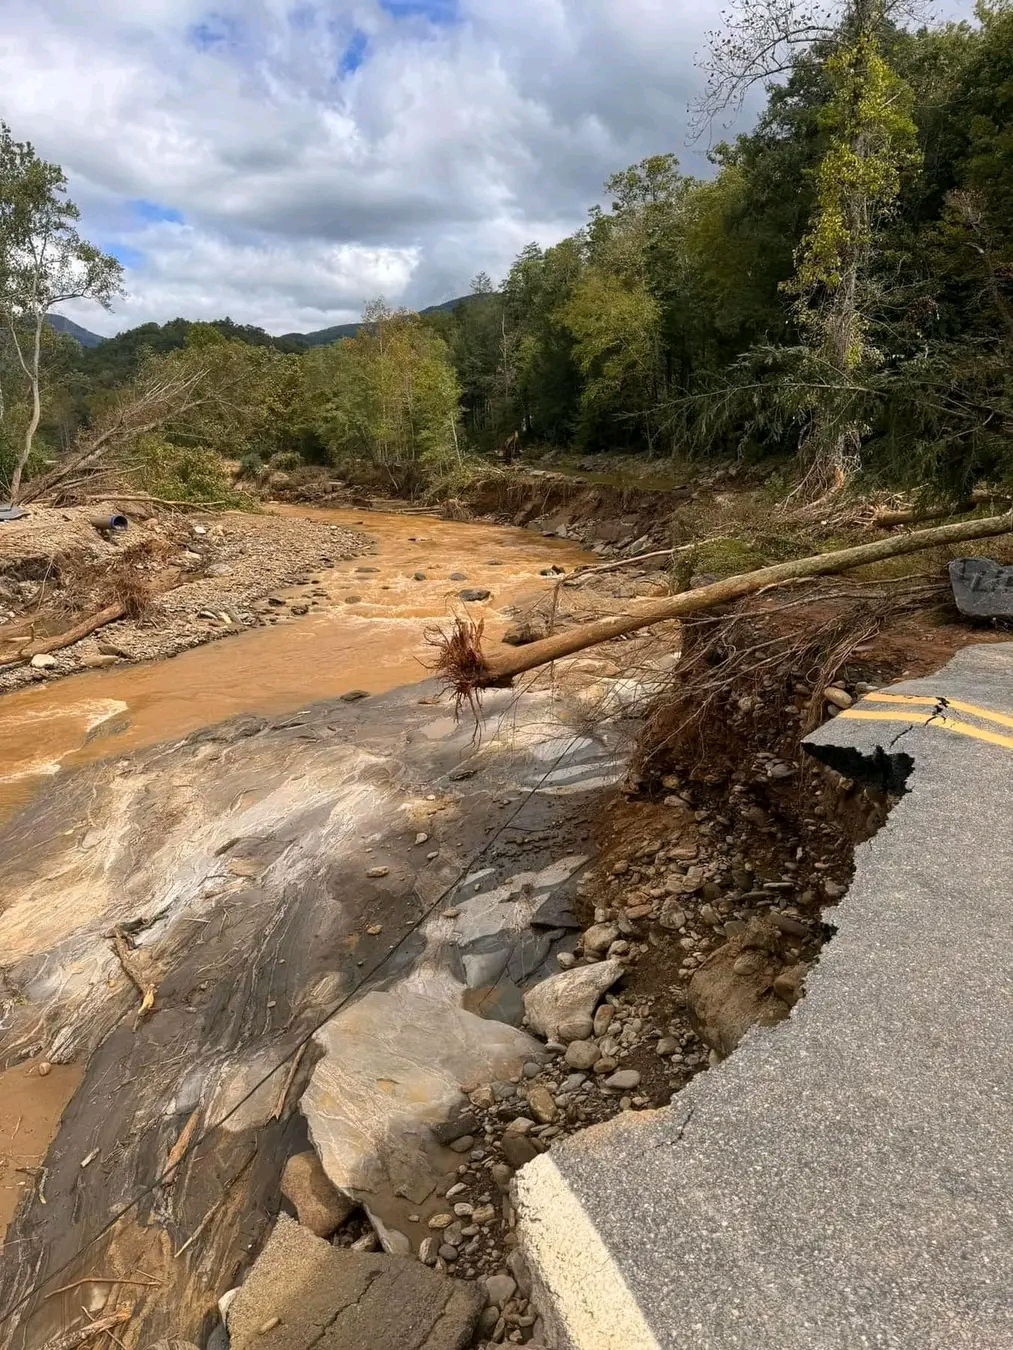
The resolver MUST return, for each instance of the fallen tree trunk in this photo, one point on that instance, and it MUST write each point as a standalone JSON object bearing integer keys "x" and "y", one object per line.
{"x": 116, "y": 609}
{"x": 911, "y": 515}
{"x": 501, "y": 668}
{"x": 70, "y": 635}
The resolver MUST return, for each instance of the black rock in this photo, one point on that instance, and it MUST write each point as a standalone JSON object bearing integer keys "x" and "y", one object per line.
{"x": 354, "y": 695}
{"x": 456, "y": 1129}
{"x": 982, "y": 589}
{"x": 474, "y": 593}
{"x": 555, "y": 912}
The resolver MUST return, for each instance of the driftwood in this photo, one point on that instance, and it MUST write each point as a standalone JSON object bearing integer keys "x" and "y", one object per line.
{"x": 147, "y": 500}
{"x": 70, "y": 635}
{"x": 911, "y": 515}
{"x": 473, "y": 670}
{"x": 137, "y": 976}
{"x": 116, "y": 609}
{"x": 71, "y": 1339}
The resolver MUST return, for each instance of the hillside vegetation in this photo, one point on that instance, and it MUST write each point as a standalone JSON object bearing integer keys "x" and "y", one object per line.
{"x": 836, "y": 299}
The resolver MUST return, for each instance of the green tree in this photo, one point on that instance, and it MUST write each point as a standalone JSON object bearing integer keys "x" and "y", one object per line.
{"x": 872, "y": 139}
{"x": 389, "y": 395}
{"x": 43, "y": 262}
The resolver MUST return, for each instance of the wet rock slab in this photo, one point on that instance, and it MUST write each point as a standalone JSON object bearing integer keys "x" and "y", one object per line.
{"x": 301, "y": 1292}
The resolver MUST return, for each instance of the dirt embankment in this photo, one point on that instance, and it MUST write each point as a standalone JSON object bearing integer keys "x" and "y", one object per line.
{"x": 184, "y": 580}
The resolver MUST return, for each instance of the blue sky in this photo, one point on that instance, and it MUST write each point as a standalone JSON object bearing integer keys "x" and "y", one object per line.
{"x": 285, "y": 161}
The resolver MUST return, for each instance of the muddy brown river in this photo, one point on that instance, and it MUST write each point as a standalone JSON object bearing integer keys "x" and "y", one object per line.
{"x": 374, "y": 643}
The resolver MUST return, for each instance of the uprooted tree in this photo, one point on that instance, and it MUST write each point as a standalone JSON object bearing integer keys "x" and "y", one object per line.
{"x": 43, "y": 262}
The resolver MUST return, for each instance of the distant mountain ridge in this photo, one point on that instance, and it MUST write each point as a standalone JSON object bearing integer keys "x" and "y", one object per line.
{"x": 74, "y": 330}
{"x": 321, "y": 337}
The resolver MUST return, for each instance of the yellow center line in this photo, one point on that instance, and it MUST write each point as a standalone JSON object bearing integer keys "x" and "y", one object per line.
{"x": 923, "y": 701}
{"x": 944, "y": 723}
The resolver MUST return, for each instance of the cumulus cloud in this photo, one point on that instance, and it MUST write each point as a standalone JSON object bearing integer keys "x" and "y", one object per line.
{"x": 283, "y": 161}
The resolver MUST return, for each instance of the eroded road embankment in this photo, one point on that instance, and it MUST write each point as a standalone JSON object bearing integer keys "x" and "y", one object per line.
{"x": 842, "y": 1179}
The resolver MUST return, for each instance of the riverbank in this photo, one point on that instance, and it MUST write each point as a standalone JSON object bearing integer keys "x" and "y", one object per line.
{"x": 184, "y": 579}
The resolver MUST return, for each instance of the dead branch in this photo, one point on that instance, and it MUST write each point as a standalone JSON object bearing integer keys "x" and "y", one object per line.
{"x": 464, "y": 668}
{"x": 69, "y": 1340}
{"x": 175, "y": 1155}
{"x": 145, "y": 407}
{"x": 579, "y": 573}
{"x": 143, "y": 497}
{"x": 132, "y": 969}
{"x": 104, "y": 1279}
{"x": 133, "y": 597}
{"x": 911, "y": 515}
{"x": 279, "y": 1106}
{"x": 71, "y": 635}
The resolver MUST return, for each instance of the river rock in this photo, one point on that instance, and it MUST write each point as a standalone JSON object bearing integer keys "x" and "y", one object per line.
{"x": 42, "y": 661}
{"x": 571, "y": 993}
{"x": 391, "y": 1069}
{"x": 600, "y": 936}
{"x": 309, "y": 1293}
{"x": 499, "y": 1289}
{"x": 518, "y": 1149}
{"x": 541, "y": 1105}
{"x": 575, "y": 1029}
{"x": 474, "y": 593}
{"x": 320, "y": 1206}
{"x": 837, "y": 697}
{"x": 452, "y": 1130}
{"x": 623, "y": 1081}
{"x": 672, "y": 915}
{"x": 582, "y": 1054}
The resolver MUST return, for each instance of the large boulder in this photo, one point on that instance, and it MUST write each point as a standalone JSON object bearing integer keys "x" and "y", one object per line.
{"x": 982, "y": 589}
{"x": 396, "y": 1064}
{"x": 569, "y": 995}
{"x": 302, "y": 1292}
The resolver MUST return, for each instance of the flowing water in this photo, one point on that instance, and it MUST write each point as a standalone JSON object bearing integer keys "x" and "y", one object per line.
{"x": 374, "y": 643}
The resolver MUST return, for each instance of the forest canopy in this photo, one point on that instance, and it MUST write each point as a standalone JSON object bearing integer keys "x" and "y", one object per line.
{"x": 838, "y": 291}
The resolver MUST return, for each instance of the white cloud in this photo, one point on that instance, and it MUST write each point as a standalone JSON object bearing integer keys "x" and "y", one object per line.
{"x": 300, "y": 191}
{"x": 278, "y": 285}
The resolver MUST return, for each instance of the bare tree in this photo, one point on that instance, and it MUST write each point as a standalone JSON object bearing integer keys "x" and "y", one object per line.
{"x": 43, "y": 262}
{"x": 158, "y": 396}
